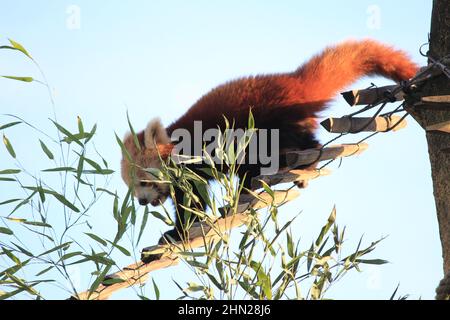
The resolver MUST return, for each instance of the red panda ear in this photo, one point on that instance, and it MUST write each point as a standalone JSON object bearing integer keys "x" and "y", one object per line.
{"x": 165, "y": 150}
{"x": 155, "y": 133}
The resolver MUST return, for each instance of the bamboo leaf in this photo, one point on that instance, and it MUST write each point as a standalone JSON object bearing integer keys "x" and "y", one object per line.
{"x": 143, "y": 224}
{"x": 19, "y": 47}
{"x": 96, "y": 238}
{"x": 6, "y": 231}
{"x": 111, "y": 281}
{"x": 46, "y": 150}
{"x": 70, "y": 255}
{"x": 65, "y": 202}
{"x": 121, "y": 249}
{"x": 10, "y": 171}
{"x": 372, "y": 261}
{"x": 44, "y": 271}
{"x": 80, "y": 125}
{"x": 159, "y": 216}
{"x": 9, "y": 147}
{"x": 9, "y": 201}
{"x": 38, "y": 224}
{"x": 7, "y": 179}
{"x": 155, "y": 288}
{"x": 11, "y": 124}
{"x": 23, "y": 79}
{"x": 60, "y": 169}
{"x": 133, "y": 133}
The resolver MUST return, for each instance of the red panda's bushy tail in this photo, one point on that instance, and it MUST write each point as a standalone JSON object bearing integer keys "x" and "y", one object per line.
{"x": 337, "y": 67}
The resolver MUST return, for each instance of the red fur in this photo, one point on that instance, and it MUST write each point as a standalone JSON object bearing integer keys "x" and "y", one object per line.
{"x": 290, "y": 101}
{"x": 294, "y": 99}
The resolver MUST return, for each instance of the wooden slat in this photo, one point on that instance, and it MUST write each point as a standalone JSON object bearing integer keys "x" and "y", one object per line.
{"x": 372, "y": 95}
{"x": 297, "y": 159}
{"x": 289, "y": 176}
{"x": 436, "y": 99}
{"x": 365, "y": 124}
{"x": 443, "y": 127}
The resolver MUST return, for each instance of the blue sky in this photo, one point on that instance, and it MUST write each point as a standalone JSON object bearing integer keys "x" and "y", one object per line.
{"x": 155, "y": 58}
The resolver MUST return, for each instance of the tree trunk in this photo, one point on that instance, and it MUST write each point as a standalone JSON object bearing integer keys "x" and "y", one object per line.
{"x": 432, "y": 113}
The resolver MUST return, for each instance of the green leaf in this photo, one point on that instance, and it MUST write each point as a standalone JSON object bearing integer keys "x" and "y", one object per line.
{"x": 143, "y": 224}
{"x": 19, "y": 47}
{"x": 60, "y": 169}
{"x": 121, "y": 249}
{"x": 9, "y": 201}
{"x": 6, "y": 231}
{"x": 80, "y": 125}
{"x": 122, "y": 147}
{"x": 10, "y": 255}
{"x": 372, "y": 261}
{"x": 24, "y": 79}
{"x": 251, "y": 120}
{"x": 91, "y": 134}
{"x": 111, "y": 281}
{"x": 99, "y": 279}
{"x": 215, "y": 281}
{"x": 326, "y": 228}
{"x": 133, "y": 133}
{"x": 8, "y": 125}
{"x": 65, "y": 202}
{"x": 44, "y": 271}
{"x": 9, "y": 147}
{"x": 99, "y": 259}
{"x": 70, "y": 255}
{"x": 46, "y": 150}
{"x": 38, "y": 224}
{"x": 96, "y": 238}
{"x": 10, "y": 171}
{"x": 155, "y": 288}
{"x": 107, "y": 191}
{"x": 23, "y": 250}
{"x": 63, "y": 246}
{"x": 263, "y": 279}
{"x": 69, "y": 136}
{"x": 290, "y": 245}
{"x": 7, "y": 179}
{"x": 159, "y": 216}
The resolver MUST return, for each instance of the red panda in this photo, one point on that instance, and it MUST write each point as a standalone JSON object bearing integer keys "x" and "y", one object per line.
{"x": 289, "y": 102}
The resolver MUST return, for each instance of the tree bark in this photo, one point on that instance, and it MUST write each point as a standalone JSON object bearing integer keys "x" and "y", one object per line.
{"x": 428, "y": 114}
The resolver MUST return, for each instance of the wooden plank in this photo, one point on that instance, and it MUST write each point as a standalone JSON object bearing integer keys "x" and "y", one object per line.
{"x": 443, "y": 127}
{"x": 436, "y": 99}
{"x": 363, "y": 124}
{"x": 297, "y": 159}
{"x": 289, "y": 176}
{"x": 372, "y": 95}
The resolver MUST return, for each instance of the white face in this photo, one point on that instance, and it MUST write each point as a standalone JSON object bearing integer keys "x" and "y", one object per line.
{"x": 151, "y": 192}
{"x": 147, "y": 189}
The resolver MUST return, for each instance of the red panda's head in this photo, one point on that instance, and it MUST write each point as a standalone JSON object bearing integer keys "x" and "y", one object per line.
{"x": 154, "y": 143}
